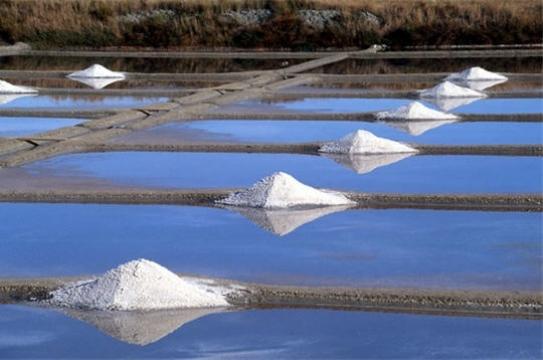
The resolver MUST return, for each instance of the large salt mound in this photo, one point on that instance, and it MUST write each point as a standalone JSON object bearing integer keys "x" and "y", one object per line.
{"x": 139, "y": 285}
{"x": 96, "y": 71}
{"x": 449, "y": 90}
{"x": 7, "y": 88}
{"x": 475, "y": 74}
{"x": 281, "y": 190}
{"x": 364, "y": 142}
{"x": 415, "y": 110}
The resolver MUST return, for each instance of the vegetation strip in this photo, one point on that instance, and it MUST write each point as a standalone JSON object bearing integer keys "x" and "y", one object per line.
{"x": 205, "y": 197}
{"x": 511, "y": 304}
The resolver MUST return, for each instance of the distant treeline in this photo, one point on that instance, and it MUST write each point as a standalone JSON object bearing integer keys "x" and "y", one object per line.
{"x": 269, "y": 24}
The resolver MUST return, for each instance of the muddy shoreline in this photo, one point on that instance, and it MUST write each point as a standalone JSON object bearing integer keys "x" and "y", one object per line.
{"x": 509, "y": 304}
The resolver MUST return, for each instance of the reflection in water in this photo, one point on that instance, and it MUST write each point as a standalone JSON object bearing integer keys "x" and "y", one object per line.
{"x": 140, "y": 328}
{"x": 417, "y": 127}
{"x": 97, "y": 83}
{"x": 284, "y": 221}
{"x": 481, "y": 84}
{"x": 4, "y": 99}
{"x": 363, "y": 164}
{"x": 448, "y": 104}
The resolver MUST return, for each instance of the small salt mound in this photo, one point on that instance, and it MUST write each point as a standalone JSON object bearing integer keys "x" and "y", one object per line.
{"x": 97, "y": 83}
{"x": 364, "y": 142}
{"x": 475, "y": 74}
{"x": 96, "y": 71}
{"x": 281, "y": 190}
{"x": 415, "y": 110}
{"x": 449, "y": 90}
{"x": 7, "y": 88}
{"x": 139, "y": 285}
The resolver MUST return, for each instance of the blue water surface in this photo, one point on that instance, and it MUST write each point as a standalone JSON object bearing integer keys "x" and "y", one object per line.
{"x": 404, "y": 248}
{"x": 415, "y": 174}
{"x": 271, "y": 334}
{"x": 19, "y": 126}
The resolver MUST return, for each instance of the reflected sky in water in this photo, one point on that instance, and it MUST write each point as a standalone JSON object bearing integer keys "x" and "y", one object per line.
{"x": 455, "y": 249}
{"x": 415, "y": 174}
{"x": 20, "y": 126}
{"x": 81, "y": 102}
{"x": 427, "y": 132}
{"x": 272, "y": 334}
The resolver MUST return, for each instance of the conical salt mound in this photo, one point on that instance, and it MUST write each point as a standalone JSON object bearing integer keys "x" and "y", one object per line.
{"x": 449, "y": 90}
{"x": 415, "y": 110}
{"x": 479, "y": 85}
{"x": 475, "y": 74}
{"x": 364, "y": 142}
{"x": 139, "y": 285}
{"x": 96, "y": 71}
{"x": 281, "y": 190}
{"x": 7, "y": 88}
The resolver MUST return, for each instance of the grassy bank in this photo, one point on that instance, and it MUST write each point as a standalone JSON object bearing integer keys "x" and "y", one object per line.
{"x": 293, "y": 24}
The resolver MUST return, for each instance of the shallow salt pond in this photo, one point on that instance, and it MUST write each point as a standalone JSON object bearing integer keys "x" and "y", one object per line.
{"x": 21, "y": 126}
{"x": 273, "y": 131}
{"x": 391, "y": 173}
{"x": 330, "y": 246}
{"x": 266, "y": 334}
{"x": 454, "y": 105}
{"x": 80, "y": 101}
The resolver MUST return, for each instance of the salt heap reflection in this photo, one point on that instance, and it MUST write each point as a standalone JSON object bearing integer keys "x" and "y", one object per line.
{"x": 363, "y": 164}
{"x": 140, "y": 327}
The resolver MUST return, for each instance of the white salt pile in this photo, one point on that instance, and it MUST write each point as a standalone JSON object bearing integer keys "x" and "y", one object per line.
{"x": 7, "y": 88}
{"x": 475, "y": 74}
{"x": 281, "y": 190}
{"x": 97, "y": 71}
{"x": 448, "y": 104}
{"x": 449, "y": 90}
{"x": 415, "y": 110}
{"x": 364, "y": 142}
{"x": 480, "y": 85}
{"x": 139, "y": 285}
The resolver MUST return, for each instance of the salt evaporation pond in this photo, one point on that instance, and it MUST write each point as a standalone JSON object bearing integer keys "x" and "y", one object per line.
{"x": 393, "y": 173}
{"x": 345, "y": 105}
{"x": 423, "y": 132}
{"x": 272, "y": 334}
{"x": 21, "y": 126}
{"x": 390, "y": 248}
{"x": 82, "y": 101}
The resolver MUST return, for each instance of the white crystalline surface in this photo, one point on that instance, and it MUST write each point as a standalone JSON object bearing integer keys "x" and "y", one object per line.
{"x": 281, "y": 190}
{"x": 7, "y": 88}
{"x": 449, "y": 90}
{"x": 415, "y": 110}
{"x": 139, "y": 285}
{"x": 97, "y": 71}
{"x": 364, "y": 142}
{"x": 476, "y": 73}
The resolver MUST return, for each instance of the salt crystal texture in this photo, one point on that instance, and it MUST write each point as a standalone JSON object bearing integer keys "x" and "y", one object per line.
{"x": 364, "y": 142}
{"x": 415, "y": 110}
{"x": 281, "y": 190}
{"x": 96, "y": 71}
{"x": 139, "y": 285}
{"x": 449, "y": 90}
{"x": 7, "y": 88}
{"x": 475, "y": 74}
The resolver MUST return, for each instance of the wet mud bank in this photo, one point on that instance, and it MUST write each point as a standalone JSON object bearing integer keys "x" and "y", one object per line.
{"x": 205, "y": 197}
{"x": 510, "y": 304}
